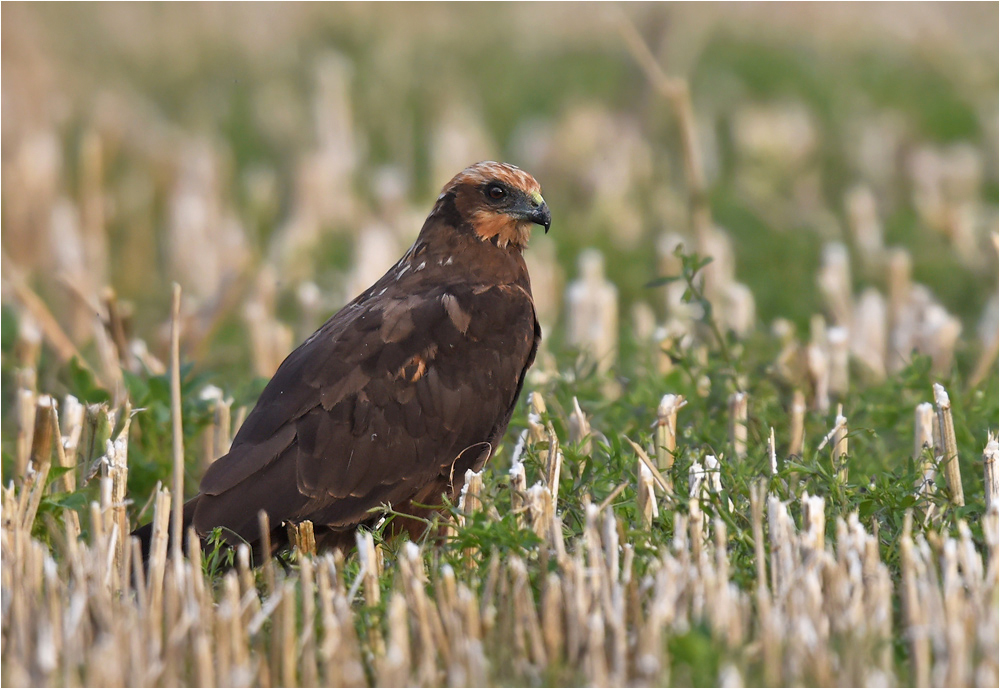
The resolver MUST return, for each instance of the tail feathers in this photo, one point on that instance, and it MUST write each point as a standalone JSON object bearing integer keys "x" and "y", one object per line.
{"x": 145, "y": 533}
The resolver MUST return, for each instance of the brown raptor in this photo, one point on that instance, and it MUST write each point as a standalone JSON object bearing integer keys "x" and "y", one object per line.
{"x": 399, "y": 392}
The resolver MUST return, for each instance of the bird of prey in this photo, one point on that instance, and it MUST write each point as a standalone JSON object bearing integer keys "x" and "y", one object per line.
{"x": 402, "y": 390}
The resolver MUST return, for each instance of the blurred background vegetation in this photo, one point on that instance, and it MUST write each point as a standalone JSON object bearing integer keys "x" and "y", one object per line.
{"x": 275, "y": 159}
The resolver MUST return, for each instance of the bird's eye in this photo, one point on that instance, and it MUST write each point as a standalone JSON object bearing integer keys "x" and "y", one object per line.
{"x": 496, "y": 192}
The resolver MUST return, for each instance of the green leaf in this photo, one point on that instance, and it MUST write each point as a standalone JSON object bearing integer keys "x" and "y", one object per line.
{"x": 56, "y": 472}
{"x": 659, "y": 282}
{"x": 83, "y": 385}
{"x": 70, "y": 501}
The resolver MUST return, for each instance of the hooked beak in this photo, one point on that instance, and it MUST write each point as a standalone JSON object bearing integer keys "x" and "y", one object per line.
{"x": 538, "y": 212}
{"x": 541, "y": 216}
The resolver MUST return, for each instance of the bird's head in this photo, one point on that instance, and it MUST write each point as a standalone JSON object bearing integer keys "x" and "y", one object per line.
{"x": 498, "y": 201}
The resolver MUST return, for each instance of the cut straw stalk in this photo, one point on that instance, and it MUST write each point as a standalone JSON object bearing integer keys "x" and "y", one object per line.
{"x": 645, "y": 496}
{"x": 868, "y": 334}
{"x": 28, "y": 346}
{"x": 518, "y": 485}
{"x": 541, "y": 509}
{"x": 772, "y": 454}
{"x": 949, "y": 445}
{"x": 834, "y": 282}
{"x": 818, "y": 365}
{"x": 837, "y": 439}
{"x": 579, "y": 428}
{"x": 370, "y": 566}
{"x": 839, "y": 351}
{"x": 394, "y": 668}
{"x": 915, "y": 614}
{"x": 40, "y": 459}
{"x": 26, "y": 403}
{"x": 98, "y": 424}
{"x": 738, "y": 423}
{"x": 270, "y": 578}
{"x": 989, "y": 341}
{"x": 469, "y": 501}
{"x": 923, "y": 437}
{"x": 553, "y": 465}
{"x": 536, "y": 413}
{"x": 217, "y": 437}
{"x": 797, "y": 423}
{"x": 176, "y": 549}
{"x": 763, "y": 595}
{"x": 840, "y": 446}
{"x": 72, "y": 419}
{"x": 592, "y": 312}
{"x": 303, "y": 539}
{"x": 115, "y": 472}
{"x": 814, "y": 523}
{"x": 159, "y": 541}
{"x": 63, "y": 456}
{"x": 666, "y": 432}
{"x": 991, "y": 472}
{"x": 923, "y": 449}
{"x": 661, "y": 481}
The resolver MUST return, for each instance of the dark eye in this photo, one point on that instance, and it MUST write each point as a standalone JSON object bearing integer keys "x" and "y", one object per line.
{"x": 496, "y": 192}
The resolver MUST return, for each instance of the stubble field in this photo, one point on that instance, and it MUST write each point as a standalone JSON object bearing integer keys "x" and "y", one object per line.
{"x": 758, "y": 446}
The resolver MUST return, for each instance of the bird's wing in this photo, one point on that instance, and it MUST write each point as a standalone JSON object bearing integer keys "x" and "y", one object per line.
{"x": 378, "y": 403}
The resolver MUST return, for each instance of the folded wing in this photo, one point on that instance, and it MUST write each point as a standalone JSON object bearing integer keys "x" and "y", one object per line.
{"x": 390, "y": 395}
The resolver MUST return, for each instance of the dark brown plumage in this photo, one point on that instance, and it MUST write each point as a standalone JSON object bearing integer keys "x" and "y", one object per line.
{"x": 402, "y": 390}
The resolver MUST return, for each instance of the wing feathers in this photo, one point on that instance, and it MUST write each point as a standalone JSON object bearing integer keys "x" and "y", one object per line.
{"x": 331, "y": 394}
{"x": 459, "y": 318}
{"x": 244, "y": 460}
{"x": 273, "y": 489}
{"x": 379, "y": 406}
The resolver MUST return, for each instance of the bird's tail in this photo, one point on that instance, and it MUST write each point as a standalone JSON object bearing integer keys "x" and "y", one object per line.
{"x": 145, "y": 533}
